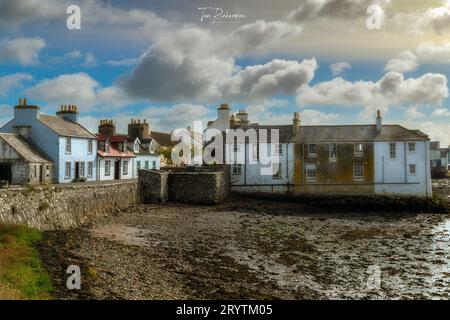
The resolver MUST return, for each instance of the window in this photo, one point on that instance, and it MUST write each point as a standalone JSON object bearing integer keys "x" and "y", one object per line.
{"x": 412, "y": 147}
{"x": 146, "y": 164}
{"x": 279, "y": 173}
{"x": 107, "y": 146}
{"x": 311, "y": 172}
{"x": 278, "y": 148}
{"x": 359, "y": 148}
{"x": 107, "y": 168}
{"x": 392, "y": 151}
{"x": 255, "y": 152}
{"x": 47, "y": 171}
{"x": 82, "y": 169}
{"x": 236, "y": 146}
{"x": 358, "y": 170}
{"x": 90, "y": 169}
{"x": 68, "y": 145}
{"x": 412, "y": 169}
{"x": 90, "y": 146}
{"x": 136, "y": 147}
{"x": 125, "y": 168}
{"x": 68, "y": 170}
{"x": 154, "y": 164}
{"x": 312, "y": 150}
{"x": 138, "y": 164}
{"x": 237, "y": 169}
{"x": 35, "y": 171}
{"x": 333, "y": 151}
{"x": 152, "y": 147}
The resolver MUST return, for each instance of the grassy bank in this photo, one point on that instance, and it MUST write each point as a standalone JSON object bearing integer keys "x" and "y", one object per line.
{"x": 21, "y": 273}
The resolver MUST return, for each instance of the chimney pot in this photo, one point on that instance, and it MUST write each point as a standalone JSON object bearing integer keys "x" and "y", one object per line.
{"x": 20, "y": 101}
{"x": 25, "y": 101}
{"x": 378, "y": 121}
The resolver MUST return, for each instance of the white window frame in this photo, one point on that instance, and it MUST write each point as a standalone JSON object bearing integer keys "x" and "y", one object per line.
{"x": 154, "y": 164}
{"x": 125, "y": 168}
{"x": 279, "y": 149}
{"x": 309, "y": 169}
{"x": 90, "y": 146}
{"x": 107, "y": 146}
{"x": 147, "y": 164}
{"x": 333, "y": 147}
{"x": 107, "y": 168}
{"x": 358, "y": 148}
{"x": 138, "y": 165}
{"x": 68, "y": 170}
{"x": 68, "y": 145}
{"x": 90, "y": 169}
{"x": 82, "y": 167}
{"x": 355, "y": 167}
{"x": 237, "y": 169}
{"x": 392, "y": 144}
{"x": 255, "y": 153}
{"x": 312, "y": 154}
{"x": 410, "y": 166}
{"x": 409, "y": 147}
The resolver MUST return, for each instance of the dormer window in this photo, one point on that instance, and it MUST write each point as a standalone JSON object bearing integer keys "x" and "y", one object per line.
{"x": 136, "y": 147}
{"x": 152, "y": 147}
{"x": 107, "y": 146}
{"x": 124, "y": 147}
{"x": 68, "y": 145}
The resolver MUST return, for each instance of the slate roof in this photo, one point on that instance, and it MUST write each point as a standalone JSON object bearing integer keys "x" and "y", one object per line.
{"x": 357, "y": 133}
{"x": 65, "y": 128}
{"x": 25, "y": 149}
{"x": 162, "y": 138}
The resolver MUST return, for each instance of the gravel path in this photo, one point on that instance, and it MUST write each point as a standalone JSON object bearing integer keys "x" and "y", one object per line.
{"x": 253, "y": 249}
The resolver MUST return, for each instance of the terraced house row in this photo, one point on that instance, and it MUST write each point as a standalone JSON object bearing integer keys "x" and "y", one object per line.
{"x": 332, "y": 159}
{"x": 37, "y": 148}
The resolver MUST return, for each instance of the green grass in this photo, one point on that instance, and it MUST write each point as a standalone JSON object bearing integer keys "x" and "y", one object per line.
{"x": 22, "y": 275}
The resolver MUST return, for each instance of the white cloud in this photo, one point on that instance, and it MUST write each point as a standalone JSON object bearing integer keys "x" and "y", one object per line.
{"x": 15, "y": 13}
{"x": 12, "y": 81}
{"x": 333, "y": 9}
{"x": 405, "y": 62}
{"x": 89, "y": 60}
{"x": 441, "y": 112}
{"x": 24, "y": 51}
{"x": 391, "y": 89}
{"x": 424, "y": 53}
{"x": 436, "y": 18}
{"x": 274, "y": 77}
{"x": 123, "y": 62}
{"x": 79, "y": 89}
{"x": 339, "y": 67}
{"x": 177, "y": 116}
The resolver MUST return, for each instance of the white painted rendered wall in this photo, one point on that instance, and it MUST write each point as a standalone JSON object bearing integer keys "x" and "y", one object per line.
{"x": 251, "y": 175}
{"x": 101, "y": 168}
{"x": 392, "y": 175}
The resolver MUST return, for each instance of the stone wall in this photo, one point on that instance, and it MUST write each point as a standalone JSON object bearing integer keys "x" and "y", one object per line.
{"x": 153, "y": 186}
{"x": 64, "y": 206}
{"x": 206, "y": 185}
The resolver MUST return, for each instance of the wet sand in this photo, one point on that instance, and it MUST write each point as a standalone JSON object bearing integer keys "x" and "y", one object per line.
{"x": 253, "y": 249}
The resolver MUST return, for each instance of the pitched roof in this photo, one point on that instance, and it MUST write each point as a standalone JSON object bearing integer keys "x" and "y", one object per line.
{"x": 114, "y": 152}
{"x": 357, "y": 133}
{"x": 25, "y": 149}
{"x": 162, "y": 138}
{"x": 113, "y": 138}
{"x": 65, "y": 127}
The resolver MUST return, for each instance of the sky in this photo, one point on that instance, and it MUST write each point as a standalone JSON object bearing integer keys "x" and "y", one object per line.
{"x": 173, "y": 62}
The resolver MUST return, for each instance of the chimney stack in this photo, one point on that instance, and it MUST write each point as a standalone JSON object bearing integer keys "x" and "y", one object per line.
{"x": 379, "y": 121}
{"x": 138, "y": 129}
{"x": 296, "y": 122}
{"x": 68, "y": 112}
{"x": 107, "y": 128}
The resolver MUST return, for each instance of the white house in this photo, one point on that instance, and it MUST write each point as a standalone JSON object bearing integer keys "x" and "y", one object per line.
{"x": 331, "y": 159}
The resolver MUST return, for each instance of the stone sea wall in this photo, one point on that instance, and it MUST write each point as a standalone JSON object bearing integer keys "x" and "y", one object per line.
{"x": 52, "y": 207}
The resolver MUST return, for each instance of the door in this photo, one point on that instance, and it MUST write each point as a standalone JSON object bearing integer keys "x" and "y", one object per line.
{"x": 117, "y": 170}
{"x": 6, "y": 172}
{"x": 41, "y": 174}
{"x": 77, "y": 170}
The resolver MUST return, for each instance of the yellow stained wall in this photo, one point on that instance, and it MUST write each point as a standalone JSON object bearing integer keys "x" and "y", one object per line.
{"x": 333, "y": 176}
